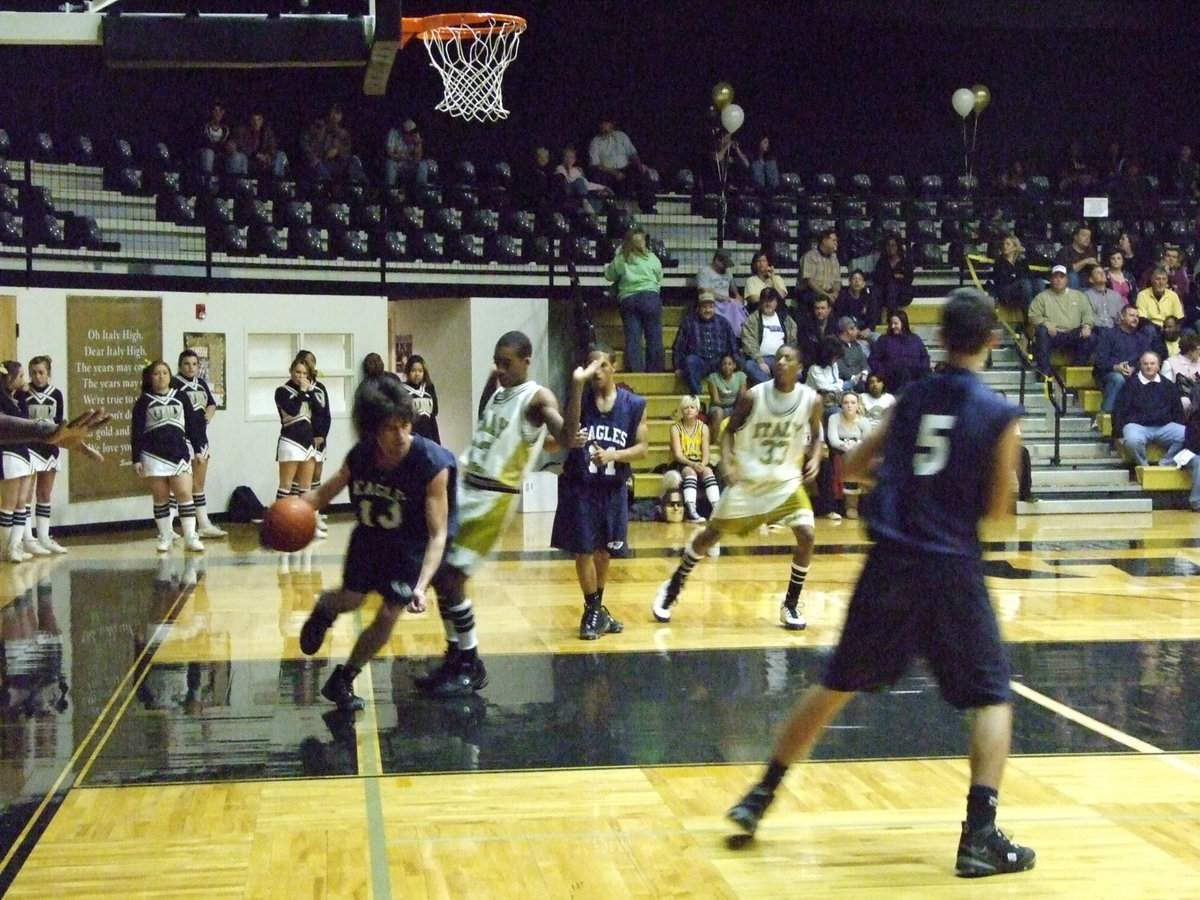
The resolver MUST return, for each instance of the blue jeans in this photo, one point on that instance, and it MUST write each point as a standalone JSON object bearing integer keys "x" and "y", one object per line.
{"x": 1081, "y": 348}
{"x": 1194, "y": 496}
{"x": 765, "y": 173}
{"x": 695, "y": 369}
{"x": 1112, "y": 383}
{"x": 755, "y": 374}
{"x": 1136, "y": 438}
{"x": 641, "y": 318}
{"x": 407, "y": 172}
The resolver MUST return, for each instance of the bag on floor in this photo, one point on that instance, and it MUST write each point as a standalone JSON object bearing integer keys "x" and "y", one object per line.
{"x": 244, "y": 505}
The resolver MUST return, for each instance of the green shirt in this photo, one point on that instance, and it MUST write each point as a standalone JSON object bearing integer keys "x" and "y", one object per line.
{"x": 634, "y": 274}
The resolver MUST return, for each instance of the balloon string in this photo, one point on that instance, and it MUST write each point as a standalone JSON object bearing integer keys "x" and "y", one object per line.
{"x": 966, "y": 154}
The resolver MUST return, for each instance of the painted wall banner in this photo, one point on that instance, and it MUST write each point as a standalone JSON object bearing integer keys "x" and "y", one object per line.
{"x": 210, "y": 347}
{"x": 109, "y": 341}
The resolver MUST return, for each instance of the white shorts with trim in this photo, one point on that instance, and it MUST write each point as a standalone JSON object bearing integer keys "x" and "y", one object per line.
{"x": 157, "y": 467}
{"x": 15, "y": 466}
{"x": 42, "y": 463}
{"x": 288, "y": 450}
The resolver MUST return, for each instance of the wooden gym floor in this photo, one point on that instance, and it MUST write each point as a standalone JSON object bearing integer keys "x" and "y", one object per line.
{"x": 194, "y": 756}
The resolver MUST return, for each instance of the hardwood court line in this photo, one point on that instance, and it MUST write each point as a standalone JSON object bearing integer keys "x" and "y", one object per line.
{"x": 185, "y": 592}
{"x": 1100, "y": 728}
{"x": 370, "y": 769}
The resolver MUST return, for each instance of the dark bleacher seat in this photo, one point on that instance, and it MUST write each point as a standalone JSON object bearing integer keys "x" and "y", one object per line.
{"x": 810, "y": 227}
{"x": 12, "y": 229}
{"x": 824, "y": 184}
{"x": 47, "y": 230}
{"x": 392, "y": 246}
{"x": 921, "y": 209}
{"x": 554, "y": 225}
{"x": 462, "y": 196}
{"x": 229, "y": 239}
{"x": 351, "y": 244}
{"x": 219, "y": 211}
{"x": 784, "y": 205}
{"x": 308, "y": 242}
{"x": 956, "y": 209}
{"x": 619, "y": 222}
{"x": 962, "y": 230}
{"x": 293, "y": 214}
{"x": 5, "y": 144}
{"x": 891, "y": 226}
{"x": 1038, "y": 186}
{"x": 42, "y": 147}
{"x": 126, "y": 180}
{"x": 966, "y": 186}
{"x": 282, "y": 191}
{"x": 1175, "y": 230}
{"x": 83, "y": 152}
{"x": 582, "y": 250}
{"x": 783, "y": 254}
{"x": 483, "y": 222}
{"x": 889, "y": 209}
{"x": 429, "y": 247}
{"x": 239, "y": 187}
{"x": 684, "y": 182}
{"x": 504, "y": 248}
{"x": 930, "y": 186}
{"x": 464, "y": 173}
{"x": 1064, "y": 231}
{"x": 816, "y": 206}
{"x": 776, "y": 228}
{"x": 10, "y": 199}
{"x": 923, "y": 231}
{"x": 520, "y": 223}
{"x": 851, "y": 208}
{"x": 742, "y": 229}
{"x": 8, "y": 171}
{"x": 857, "y": 237}
{"x": 466, "y": 247}
{"x": 860, "y": 186}
{"x": 584, "y": 224}
{"x": 660, "y": 249}
{"x": 82, "y": 232}
{"x": 927, "y": 256}
{"x": 746, "y": 205}
{"x": 266, "y": 240}
{"x": 539, "y": 249}
{"x": 790, "y": 182}
{"x": 1040, "y": 252}
{"x": 895, "y": 186}
{"x": 712, "y": 206}
{"x": 334, "y": 217}
{"x": 426, "y": 196}
{"x": 446, "y": 220}
{"x": 171, "y": 206}
{"x": 251, "y": 211}
{"x": 366, "y": 216}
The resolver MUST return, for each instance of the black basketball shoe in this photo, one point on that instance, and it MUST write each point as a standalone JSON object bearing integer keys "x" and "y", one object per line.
{"x": 988, "y": 851}
{"x": 461, "y": 677}
{"x": 437, "y": 673}
{"x": 746, "y": 813}
{"x": 338, "y": 689}
{"x": 312, "y": 633}
{"x": 597, "y": 620}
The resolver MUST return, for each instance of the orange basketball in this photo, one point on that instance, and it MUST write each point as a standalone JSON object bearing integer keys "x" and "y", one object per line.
{"x": 289, "y": 525}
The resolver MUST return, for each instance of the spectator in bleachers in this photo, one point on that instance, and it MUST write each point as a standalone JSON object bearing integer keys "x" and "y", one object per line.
{"x": 765, "y": 331}
{"x": 257, "y": 154}
{"x": 875, "y": 400}
{"x": 575, "y": 185}
{"x": 1183, "y": 368}
{"x": 616, "y": 165}
{"x": 1149, "y": 410}
{"x": 725, "y": 386}
{"x": 717, "y": 277}
{"x": 852, "y": 367}
{"x": 1114, "y": 164}
{"x": 637, "y": 274}
{"x": 1012, "y": 283}
{"x": 898, "y": 356}
{"x": 1116, "y": 276}
{"x": 1077, "y": 256}
{"x": 214, "y": 139}
{"x": 762, "y": 274}
{"x": 1158, "y": 301}
{"x": 725, "y": 165}
{"x": 1178, "y": 279}
{"x": 1106, "y": 303}
{"x": 1014, "y": 182}
{"x": 820, "y": 273}
{"x": 1077, "y": 176}
{"x": 893, "y": 275}
{"x": 1191, "y": 441}
{"x": 404, "y": 160}
{"x": 814, "y": 326}
{"x": 1132, "y": 197}
{"x": 859, "y": 302}
{"x": 328, "y": 149}
{"x": 1184, "y": 174}
{"x": 1166, "y": 342}
{"x": 690, "y": 456}
{"x": 1061, "y": 317}
{"x": 764, "y": 168}
{"x": 1117, "y": 353}
{"x": 703, "y": 338}
{"x": 844, "y": 430}
{"x": 1129, "y": 243}
{"x": 822, "y": 375}
{"x": 535, "y": 184}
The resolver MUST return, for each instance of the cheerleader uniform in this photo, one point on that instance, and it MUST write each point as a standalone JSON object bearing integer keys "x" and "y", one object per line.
{"x": 14, "y": 463}
{"x": 322, "y": 421}
{"x": 198, "y": 393}
{"x": 296, "y": 429}
{"x": 44, "y": 405}
{"x": 158, "y": 439}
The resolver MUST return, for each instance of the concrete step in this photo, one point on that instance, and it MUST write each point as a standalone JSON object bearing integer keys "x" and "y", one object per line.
{"x": 1085, "y": 506}
{"x": 1114, "y": 478}
{"x": 1069, "y": 450}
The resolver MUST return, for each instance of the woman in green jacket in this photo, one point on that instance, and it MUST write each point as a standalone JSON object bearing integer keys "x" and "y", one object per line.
{"x": 637, "y": 274}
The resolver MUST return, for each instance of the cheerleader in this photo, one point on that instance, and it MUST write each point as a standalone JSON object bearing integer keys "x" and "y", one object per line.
{"x": 16, "y": 473}
{"x": 322, "y": 421}
{"x": 162, "y": 453}
{"x": 295, "y": 452}
{"x": 188, "y": 384}
{"x": 42, "y": 402}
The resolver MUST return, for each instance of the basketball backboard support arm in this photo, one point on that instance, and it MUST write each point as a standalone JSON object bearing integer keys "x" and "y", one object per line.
{"x": 387, "y": 40}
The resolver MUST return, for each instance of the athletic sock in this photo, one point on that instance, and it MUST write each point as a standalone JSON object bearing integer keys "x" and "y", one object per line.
{"x": 773, "y": 776}
{"x": 592, "y": 600}
{"x": 712, "y": 490}
{"x": 795, "y": 584}
{"x": 690, "y": 561}
{"x": 981, "y": 807}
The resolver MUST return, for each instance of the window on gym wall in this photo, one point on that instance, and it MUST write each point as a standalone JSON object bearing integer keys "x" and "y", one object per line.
{"x": 268, "y": 357}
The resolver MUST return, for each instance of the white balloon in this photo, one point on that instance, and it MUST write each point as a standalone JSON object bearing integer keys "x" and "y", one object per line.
{"x": 963, "y": 101}
{"x": 732, "y": 116}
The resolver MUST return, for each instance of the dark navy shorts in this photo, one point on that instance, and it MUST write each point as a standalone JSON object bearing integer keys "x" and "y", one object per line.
{"x": 591, "y": 517}
{"x": 909, "y": 603}
{"x": 380, "y": 566}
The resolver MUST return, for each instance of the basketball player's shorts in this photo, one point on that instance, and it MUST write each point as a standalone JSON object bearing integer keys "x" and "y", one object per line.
{"x": 910, "y": 602}
{"x": 591, "y": 517}
{"x": 381, "y": 565}
{"x": 746, "y": 506}
{"x": 482, "y": 518}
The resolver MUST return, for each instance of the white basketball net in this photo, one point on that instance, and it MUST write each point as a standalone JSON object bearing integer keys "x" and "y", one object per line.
{"x": 471, "y": 60}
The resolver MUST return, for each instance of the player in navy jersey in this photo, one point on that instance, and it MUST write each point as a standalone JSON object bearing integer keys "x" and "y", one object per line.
{"x": 162, "y": 453}
{"x": 322, "y": 423}
{"x": 592, "y": 519}
{"x": 187, "y": 382}
{"x": 401, "y": 490}
{"x": 942, "y": 459}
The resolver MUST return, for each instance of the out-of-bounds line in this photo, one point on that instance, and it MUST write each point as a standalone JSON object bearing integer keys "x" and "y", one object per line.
{"x": 1113, "y": 734}
{"x": 370, "y": 768}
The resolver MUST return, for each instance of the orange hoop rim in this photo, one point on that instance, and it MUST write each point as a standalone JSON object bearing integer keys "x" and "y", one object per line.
{"x": 456, "y": 26}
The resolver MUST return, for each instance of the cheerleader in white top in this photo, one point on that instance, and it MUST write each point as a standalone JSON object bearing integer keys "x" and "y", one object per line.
{"x": 42, "y": 402}
{"x": 162, "y": 453}
{"x": 16, "y": 474}
{"x": 192, "y": 387}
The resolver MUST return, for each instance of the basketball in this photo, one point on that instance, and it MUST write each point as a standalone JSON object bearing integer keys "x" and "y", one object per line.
{"x": 289, "y": 525}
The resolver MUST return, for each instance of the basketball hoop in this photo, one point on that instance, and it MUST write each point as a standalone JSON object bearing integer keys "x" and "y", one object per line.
{"x": 471, "y": 52}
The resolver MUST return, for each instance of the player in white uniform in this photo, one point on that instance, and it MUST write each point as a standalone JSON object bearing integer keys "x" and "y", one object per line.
{"x": 514, "y": 417}
{"x": 770, "y": 449}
